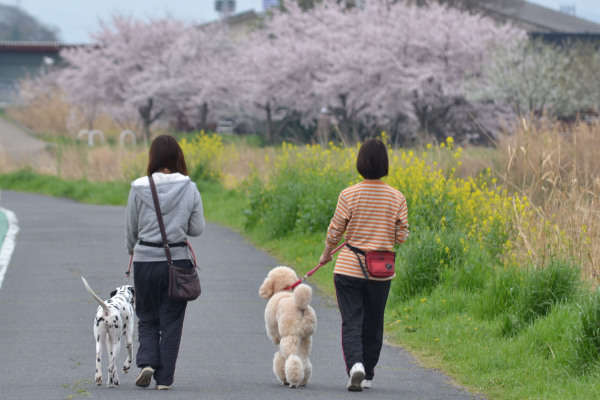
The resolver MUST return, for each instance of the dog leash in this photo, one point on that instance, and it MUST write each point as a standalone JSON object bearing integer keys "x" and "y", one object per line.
{"x": 128, "y": 272}
{"x": 312, "y": 271}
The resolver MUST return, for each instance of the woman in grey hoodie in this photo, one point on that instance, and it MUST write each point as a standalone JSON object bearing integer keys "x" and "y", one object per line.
{"x": 160, "y": 318}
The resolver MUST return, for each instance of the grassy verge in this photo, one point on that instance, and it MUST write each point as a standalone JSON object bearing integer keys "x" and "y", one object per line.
{"x": 82, "y": 190}
{"x": 526, "y": 333}
{"x": 218, "y": 202}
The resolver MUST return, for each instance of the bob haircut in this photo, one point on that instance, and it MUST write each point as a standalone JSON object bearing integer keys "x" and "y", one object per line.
{"x": 372, "y": 161}
{"x": 165, "y": 152}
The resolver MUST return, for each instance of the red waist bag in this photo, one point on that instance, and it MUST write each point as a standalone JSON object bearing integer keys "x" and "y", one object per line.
{"x": 380, "y": 264}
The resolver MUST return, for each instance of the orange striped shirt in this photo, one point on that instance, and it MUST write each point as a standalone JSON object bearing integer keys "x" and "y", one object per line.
{"x": 374, "y": 217}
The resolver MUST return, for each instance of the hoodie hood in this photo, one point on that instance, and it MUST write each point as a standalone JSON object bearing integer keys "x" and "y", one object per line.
{"x": 171, "y": 188}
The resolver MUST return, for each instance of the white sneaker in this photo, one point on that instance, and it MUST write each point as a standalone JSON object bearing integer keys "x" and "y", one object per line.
{"x": 357, "y": 374}
{"x": 145, "y": 377}
{"x": 366, "y": 383}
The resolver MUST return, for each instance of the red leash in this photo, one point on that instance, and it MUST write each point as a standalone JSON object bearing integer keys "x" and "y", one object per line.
{"x": 312, "y": 271}
{"x": 128, "y": 272}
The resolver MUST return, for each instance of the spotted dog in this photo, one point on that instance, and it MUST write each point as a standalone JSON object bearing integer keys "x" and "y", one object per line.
{"x": 114, "y": 319}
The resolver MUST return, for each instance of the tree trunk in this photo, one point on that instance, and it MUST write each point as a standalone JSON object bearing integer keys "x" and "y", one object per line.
{"x": 347, "y": 121}
{"x": 203, "y": 116}
{"x": 343, "y": 122}
{"x": 284, "y": 123}
{"x": 89, "y": 114}
{"x": 269, "y": 123}
{"x": 145, "y": 113}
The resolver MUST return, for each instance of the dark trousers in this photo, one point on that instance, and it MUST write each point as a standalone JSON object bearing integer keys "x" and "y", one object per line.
{"x": 362, "y": 307}
{"x": 160, "y": 319}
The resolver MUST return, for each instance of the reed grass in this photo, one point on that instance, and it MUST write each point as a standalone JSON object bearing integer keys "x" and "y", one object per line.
{"x": 559, "y": 172}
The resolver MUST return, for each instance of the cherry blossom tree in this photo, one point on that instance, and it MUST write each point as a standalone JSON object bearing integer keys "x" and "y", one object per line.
{"x": 372, "y": 67}
{"x": 76, "y": 82}
{"x": 538, "y": 78}
{"x": 277, "y": 70}
{"x": 123, "y": 69}
{"x": 386, "y": 65}
{"x": 200, "y": 66}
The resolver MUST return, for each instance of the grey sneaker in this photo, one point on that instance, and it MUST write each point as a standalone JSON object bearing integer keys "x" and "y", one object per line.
{"x": 145, "y": 376}
{"x": 357, "y": 374}
{"x": 366, "y": 383}
{"x": 163, "y": 387}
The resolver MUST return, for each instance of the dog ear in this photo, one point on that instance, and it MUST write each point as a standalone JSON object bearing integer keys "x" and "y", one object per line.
{"x": 266, "y": 290}
{"x": 113, "y": 293}
{"x": 132, "y": 290}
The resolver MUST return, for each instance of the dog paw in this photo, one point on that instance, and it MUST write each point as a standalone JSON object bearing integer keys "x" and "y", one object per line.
{"x": 98, "y": 380}
{"x": 126, "y": 369}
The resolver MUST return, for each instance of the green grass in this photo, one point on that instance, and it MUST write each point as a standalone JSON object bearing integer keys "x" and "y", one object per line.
{"x": 222, "y": 205}
{"x": 109, "y": 193}
{"x": 503, "y": 332}
{"x": 217, "y": 202}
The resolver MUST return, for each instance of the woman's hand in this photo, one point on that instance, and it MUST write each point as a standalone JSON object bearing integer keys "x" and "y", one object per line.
{"x": 326, "y": 256}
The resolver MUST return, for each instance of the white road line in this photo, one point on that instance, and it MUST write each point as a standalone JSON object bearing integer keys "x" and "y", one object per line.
{"x": 9, "y": 242}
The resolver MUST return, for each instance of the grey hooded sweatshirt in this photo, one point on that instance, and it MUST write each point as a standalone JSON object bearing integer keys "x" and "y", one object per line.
{"x": 181, "y": 207}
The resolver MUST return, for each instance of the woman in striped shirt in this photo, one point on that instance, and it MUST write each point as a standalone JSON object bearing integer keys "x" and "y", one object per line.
{"x": 373, "y": 216}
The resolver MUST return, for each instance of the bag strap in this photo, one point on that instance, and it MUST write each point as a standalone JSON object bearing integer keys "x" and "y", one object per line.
{"x": 161, "y": 224}
{"x": 358, "y": 251}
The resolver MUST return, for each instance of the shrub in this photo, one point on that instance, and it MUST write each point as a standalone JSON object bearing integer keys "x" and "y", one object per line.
{"x": 437, "y": 198}
{"x": 417, "y": 265}
{"x": 301, "y": 193}
{"x": 472, "y": 269}
{"x": 541, "y": 289}
{"x": 500, "y": 293}
{"x": 205, "y": 155}
{"x": 425, "y": 259}
{"x": 587, "y": 343}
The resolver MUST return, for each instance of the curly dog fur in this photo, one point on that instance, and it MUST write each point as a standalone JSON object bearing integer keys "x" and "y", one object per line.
{"x": 290, "y": 323}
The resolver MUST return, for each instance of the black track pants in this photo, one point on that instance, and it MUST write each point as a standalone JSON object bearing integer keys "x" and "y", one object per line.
{"x": 362, "y": 306}
{"x": 160, "y": 319}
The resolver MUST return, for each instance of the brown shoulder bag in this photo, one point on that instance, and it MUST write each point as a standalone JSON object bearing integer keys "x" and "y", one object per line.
{"x": 184, "y": 283}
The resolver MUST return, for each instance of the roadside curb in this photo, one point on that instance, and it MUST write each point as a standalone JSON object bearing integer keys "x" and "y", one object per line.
{"x": 8, "y": 232}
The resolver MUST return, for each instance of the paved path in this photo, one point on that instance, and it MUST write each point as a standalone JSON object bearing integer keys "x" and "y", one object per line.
{"x": 47, "y": 345}
{"x": 17, "y": 145}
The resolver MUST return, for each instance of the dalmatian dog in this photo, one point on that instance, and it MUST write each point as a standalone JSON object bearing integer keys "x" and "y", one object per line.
{"x": 114, "y": 319}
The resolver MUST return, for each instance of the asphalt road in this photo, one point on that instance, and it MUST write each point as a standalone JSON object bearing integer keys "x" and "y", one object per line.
{"x": 18, "y": 147}
{"x": 46, "y": 316}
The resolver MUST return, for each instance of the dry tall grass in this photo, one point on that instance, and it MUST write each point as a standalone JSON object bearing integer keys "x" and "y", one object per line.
{"x": 49, "y": 114}
{"x": 560, "y": 174}
{"x": 74, "y": 161}
{"x": 46, "y": 113}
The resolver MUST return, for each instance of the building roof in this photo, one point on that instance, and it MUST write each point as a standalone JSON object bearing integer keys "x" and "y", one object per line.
{"x": 244, "y": 16}
{"x": 34, "y": 47}
{"x": 529, "y": 16}
{"x": 535, "y": 18}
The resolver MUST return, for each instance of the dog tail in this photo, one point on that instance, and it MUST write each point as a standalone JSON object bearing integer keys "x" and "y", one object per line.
{"x": 302, "y": 296}
{"x": 95, "y": 296}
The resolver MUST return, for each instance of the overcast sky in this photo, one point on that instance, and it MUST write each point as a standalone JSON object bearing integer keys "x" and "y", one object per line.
{"x": 77, "y": 18}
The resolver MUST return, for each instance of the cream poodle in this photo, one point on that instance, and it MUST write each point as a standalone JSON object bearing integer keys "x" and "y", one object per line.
{"x": 290, "y": 323}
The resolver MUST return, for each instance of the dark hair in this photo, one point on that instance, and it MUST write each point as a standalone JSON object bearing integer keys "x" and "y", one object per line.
{"x": 165, "y": 152}
{"x": 372, "y": 161}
